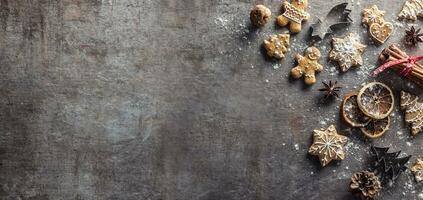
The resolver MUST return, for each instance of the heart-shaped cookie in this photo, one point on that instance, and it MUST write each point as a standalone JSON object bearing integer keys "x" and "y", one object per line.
{"x": 381, "y": 32}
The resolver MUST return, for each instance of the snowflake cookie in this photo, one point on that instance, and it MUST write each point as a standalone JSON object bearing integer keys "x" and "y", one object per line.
{"x": 372, "y": 15}
{"x": 347, "y": 51}
{"x": 379, "y": 30}
{"x": 328, "y": 145}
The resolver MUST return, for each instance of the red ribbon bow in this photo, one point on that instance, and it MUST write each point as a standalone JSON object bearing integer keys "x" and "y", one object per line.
{"x": 409, "y": 65}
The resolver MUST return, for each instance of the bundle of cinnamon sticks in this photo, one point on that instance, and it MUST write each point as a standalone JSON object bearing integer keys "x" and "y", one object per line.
{"x": 393, "y": 53}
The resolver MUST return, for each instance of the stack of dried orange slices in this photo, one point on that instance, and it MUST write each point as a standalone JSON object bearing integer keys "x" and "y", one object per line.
{"x": 369, "y": 109}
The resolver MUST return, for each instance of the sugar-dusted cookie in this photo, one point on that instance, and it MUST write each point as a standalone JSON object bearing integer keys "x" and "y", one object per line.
{"x": 413, "y": 109}
{"x": 372, "y": 15}
{"x": 294, "y": 14}
{"x": 381, "y": 32}
{"x": 379, "y": 29}
{"x": 347, "y": 51}
{"x": 411, "y": 10}
{"x": 307, "y": 65}
{"x": 277, "y": 45}
{"x": 328, "y": 145}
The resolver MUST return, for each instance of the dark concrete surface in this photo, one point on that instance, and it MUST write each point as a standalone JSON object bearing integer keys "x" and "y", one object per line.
{"x": 174, "y": 99}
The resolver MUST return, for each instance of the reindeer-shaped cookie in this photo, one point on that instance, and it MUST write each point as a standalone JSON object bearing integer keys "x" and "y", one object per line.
{"x": 294, "y": 14}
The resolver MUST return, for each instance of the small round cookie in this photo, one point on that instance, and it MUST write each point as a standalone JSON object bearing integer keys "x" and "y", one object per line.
{"x": 260, "y": 15}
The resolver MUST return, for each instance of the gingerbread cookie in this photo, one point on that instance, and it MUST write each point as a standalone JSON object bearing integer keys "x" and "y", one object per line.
{"x": 372, "y": 15}
{"x": 307, "y": 65}
{"x": 413, "y": 109}
{"x": 328, "y": 145}
{"x": 260, "y": 15}
{"x": 379, "y": 30}
{"x": 277, "y": 45}
{"x": 294, "y": 14}
{"x": 417, "y": 170}
{"x": 347, "y": 51}
{"x": 411, "y": 10}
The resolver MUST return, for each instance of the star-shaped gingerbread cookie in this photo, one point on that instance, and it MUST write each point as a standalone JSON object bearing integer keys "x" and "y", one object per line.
{"x": 417, "y": 170}
{"x": 347, "y": 51}
{"x": 372, "y": 15}
{"x": 328, "y": 145}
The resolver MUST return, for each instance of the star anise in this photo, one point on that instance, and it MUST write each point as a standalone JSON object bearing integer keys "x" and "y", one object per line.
{"x": 413, "y": 36}
{"x": 330, "y": 89}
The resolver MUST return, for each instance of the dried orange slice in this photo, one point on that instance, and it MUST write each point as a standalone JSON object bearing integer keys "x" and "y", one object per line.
{"x": 376, "y": 127}
{"x": 351, "y": 113}
{"x": 376, "y": 100}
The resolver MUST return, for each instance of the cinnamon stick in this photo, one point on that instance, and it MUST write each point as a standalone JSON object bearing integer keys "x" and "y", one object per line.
{"x": 394, "y": 53}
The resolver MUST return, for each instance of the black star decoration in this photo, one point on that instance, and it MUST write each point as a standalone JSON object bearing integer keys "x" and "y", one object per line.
{"x": 337, "y": 18}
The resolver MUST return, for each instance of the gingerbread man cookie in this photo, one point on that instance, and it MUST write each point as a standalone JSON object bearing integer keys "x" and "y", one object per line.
{"x": 307, "y": 65}
{"x": 379, "y": 30}
{"x": 277, "y": 45}
{"x": 294, "y": 14}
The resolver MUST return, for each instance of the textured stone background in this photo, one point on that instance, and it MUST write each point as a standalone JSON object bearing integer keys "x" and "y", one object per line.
{"x": 173, "y": 99}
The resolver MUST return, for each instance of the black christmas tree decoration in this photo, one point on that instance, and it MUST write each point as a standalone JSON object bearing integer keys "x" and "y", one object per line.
{"x": 387, "y": 165}
{"x": 337, "y": 18}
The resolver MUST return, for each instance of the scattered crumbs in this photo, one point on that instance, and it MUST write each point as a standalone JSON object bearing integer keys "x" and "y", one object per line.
{"x": 358, "y": 3}
{"x": 296, "y": 147}
{"x": 221, "y": 21}
{"x": 410, "y": 85}
{"x": 313, "y": 173}
{"x": 408, "y": 144}
{"x": 323, "y": 123}
{"x": 334, "y": 171}
{"x": 267, "y": 80}
{"x": 421, "y": 196}
{"x": 398, "y": 24}
{"x": 346, "y": 167}
{"x": 276, "y": 66}
{"x": 333, "y": 71}
{"x": 252, "y": 66}
{"x": 353, "y": 150}
{"x": 399, "y": 133}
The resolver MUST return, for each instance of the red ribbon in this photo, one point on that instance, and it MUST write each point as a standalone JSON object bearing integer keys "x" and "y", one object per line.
{"x": 409, "y": 63}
